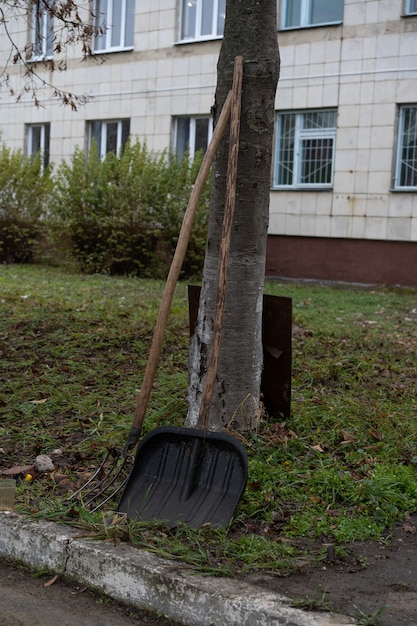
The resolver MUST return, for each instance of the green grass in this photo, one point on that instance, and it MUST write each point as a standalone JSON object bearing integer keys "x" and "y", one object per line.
{"x": 342, "y": 468}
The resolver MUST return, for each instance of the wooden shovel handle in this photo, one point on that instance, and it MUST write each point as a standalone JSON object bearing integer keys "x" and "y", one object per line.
{"x": 229, "y": 210}
{"x": 173, "y": 275}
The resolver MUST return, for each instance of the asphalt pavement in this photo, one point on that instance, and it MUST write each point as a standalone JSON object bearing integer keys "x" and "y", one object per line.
{"x": 134, "y": 578}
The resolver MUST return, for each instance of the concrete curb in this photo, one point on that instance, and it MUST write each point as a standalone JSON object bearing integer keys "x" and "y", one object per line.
{"x": 140, "y": 579}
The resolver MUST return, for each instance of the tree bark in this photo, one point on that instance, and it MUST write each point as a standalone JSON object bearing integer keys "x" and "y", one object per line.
{"x": 250, "y": 31}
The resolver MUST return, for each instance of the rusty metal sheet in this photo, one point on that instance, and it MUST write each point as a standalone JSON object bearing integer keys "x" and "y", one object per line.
{"x": 277, "y": 349}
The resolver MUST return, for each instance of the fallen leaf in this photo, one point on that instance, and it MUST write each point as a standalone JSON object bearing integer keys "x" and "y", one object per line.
{"x": 318, "y": 448}
{"x": 18, "y": 469}
{"x": 409, "y": 528}
{"x": 375, "y": 434}
{"x": 51, "y": 582}
{"x": 38, "y": 401}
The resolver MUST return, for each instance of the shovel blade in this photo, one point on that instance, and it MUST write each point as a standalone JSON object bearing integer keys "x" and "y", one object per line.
{"x": 186, "y": 475}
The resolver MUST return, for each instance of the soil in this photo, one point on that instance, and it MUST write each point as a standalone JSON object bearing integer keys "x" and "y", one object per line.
{"x": 376, "y": 582}
{"x": 29, "y": 600}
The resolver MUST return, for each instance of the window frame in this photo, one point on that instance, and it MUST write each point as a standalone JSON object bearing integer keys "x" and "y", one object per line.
{"x": 44, "y": 142}
{"x": 105, "y": 17}
{"x": 192, "y": 134}
{"x": 301, "y": 135}
{"x": 305, "y": 11}
{"x": 408, "y": 10}
{"x": 399, "y": 160}
{"x": 103, "y": 142}
{"x": 41, "y": 32}
{"x": 198, "y": 27}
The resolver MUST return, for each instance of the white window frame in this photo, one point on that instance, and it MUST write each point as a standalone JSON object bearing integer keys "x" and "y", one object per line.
{"x": 216, "y": 6}
{"x": 300, "y": 135}
{"x": 44, "y": 138}
{"x": 41, "y": 34}
{"x": 192, "y": 132}
{"x": 102, "y": 147}
{"x": 399, "y": 183}
{"x": 305, "y": 16}
{"x": 411, "y": 7}
{"x": 103, "y": 19}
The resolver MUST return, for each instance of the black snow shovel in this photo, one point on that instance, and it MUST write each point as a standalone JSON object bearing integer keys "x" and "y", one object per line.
{"x": 191, "y": 475}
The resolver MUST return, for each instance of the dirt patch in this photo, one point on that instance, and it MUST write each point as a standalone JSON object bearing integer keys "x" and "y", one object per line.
{"x": 27, "y": 599}
{"x": 376, "y": 582}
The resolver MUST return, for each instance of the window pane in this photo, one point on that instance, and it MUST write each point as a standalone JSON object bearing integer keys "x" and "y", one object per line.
{"x": 317, "y": 159}
{"x": 323, "y": 11}
{"x": 189, "y": 19}
{"x": 100, "y": 21}
{"x": 130, "y": 23}
{"x": 221, "y": 17}
{"x": 42, "y": 33}
{"x": 125, "y": 131}
{"x": 183, "y": 135}
{"x": 286, "y": 150}
{"x": 116, "y": 24}
{"x": 46, "y": 129}
{"x": 319, "y": 119}
{"x": 293, "y": 13}
{"x": 207, "y": 17}
{"x": 36, "y": 139}
{"x": 412, "y": 6}
{"x": 408, "y": 143}
{"x": 95, "y": 134}
{"x": 201, "y": 134}
{"x": 111, "y": 137}
{"x": 49, "y": 43}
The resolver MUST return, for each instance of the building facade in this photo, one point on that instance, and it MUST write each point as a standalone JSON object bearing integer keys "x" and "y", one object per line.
{"x": 344, "y": 176}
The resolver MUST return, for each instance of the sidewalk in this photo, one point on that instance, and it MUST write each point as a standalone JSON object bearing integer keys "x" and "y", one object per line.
{"x": 144, "y": 581}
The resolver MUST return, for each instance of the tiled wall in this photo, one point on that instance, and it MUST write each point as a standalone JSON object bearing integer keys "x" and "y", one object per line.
{"x": 365, "y": 68}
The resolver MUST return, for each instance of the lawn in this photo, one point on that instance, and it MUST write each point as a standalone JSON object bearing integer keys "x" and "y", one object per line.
{"x": 73, "y": 349}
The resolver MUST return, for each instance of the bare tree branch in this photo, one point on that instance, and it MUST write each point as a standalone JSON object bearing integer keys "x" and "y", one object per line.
{"x": 69, "y": 31}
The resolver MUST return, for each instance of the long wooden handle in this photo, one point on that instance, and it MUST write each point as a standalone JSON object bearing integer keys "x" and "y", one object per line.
{"x": 229, "y": 211}
{"x": 174, "y": 273}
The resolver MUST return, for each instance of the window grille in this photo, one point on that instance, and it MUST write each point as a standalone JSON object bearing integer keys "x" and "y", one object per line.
{"x": 305, "y": 149}
{"x": 406, "y": 163}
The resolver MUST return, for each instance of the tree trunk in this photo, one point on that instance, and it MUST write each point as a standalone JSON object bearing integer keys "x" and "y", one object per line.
{"x": 250, "y": 31}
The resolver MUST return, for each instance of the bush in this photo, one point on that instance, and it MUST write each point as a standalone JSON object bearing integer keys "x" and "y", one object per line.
{"x": 24, "y": 187}
{"x": 123, "y": 214}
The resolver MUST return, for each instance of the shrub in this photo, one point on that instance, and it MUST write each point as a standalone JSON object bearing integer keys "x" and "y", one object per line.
{"x": 123, "y": 214}
{"x": 24, "y": 187}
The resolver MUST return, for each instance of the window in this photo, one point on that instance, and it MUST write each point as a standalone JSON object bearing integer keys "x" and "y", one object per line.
{"x": 406, "y": 164}
{"x": 37, "y": 140}
{"x": 41, "y": 33}
{"x": 202, "y": 19}
{"x": 304, "y": 155}
{"x": 116, "y": 21}
{"x": 110, "y": 136}
{"x": 302, "y": 13}
{"x": 193, "y": 134}
{"x": 410, "y": 7}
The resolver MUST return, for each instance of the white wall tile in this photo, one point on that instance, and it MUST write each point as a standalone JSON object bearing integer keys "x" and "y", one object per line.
{"x": 322, "y": 226}
{"x": 376, "y": 228}
{"x": 399, "y": 228}
{"x": 358, "y": 227}
{"x": 341, "y": 226}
